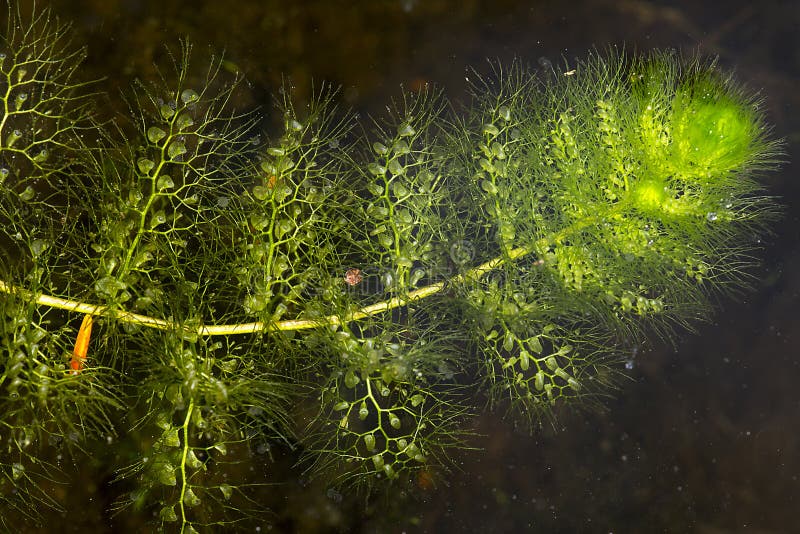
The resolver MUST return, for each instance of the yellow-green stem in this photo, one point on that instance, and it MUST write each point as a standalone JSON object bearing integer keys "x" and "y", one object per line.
{"x": 184, "y": 479}
{"x": 258, "y": 326}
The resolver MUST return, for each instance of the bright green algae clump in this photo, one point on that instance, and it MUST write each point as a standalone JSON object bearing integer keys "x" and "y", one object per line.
{"x": 712, "y": 131}
{"x": 365, "y": 278}
{"x": 626, "y": 188}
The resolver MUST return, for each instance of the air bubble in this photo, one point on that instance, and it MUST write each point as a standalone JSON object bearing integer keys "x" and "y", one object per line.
{"x": 165, "y": 473}
{"x": 164, "y": 182}
{"x": 574, "y": 384}
{"x": 462, "y": 252}
{"x": 227, "y": 491}
{"x": 145, "y": 165}
{"x": 268, "y": 168}
{"x": 490, "y": 129}
{"x": 377, "y": 460}
{"x": 158, "y": 218}
{"x": 193, "y": 461}
{"x": 4, "y": 173}
{"x": 404, "y": 261}
{"x": 260, "y": 192}
{"x": 38, "y": 247}
{"x": 167, "y": 514}
{"x": 524, "y": 360}
{"x": 166, "y": 111}
{"x": 351, "y": 379}
{"x": 394, "y": 421}
{"x": 283, "y": 227}
{"x": 12, "y": 138}
{"x": 190, "y": 499}
{"x": 171, "y": 438}
{"x": 405, "y": 130}
{"x": 17, "y": 471}
{"x": 504, "y": 113}
{"x": 377, "y": 170}
{"x": 396, "y": 168}
{"x": 254, "y": 303}
{"x": 155, "y": 134}
{"x": 189, "y": 95}
{"x": 387, "y": 279}
{"x": 416, "y": 276}
{"x": 278, "y": 268}
{"x": 487, "y": 185}
{"x": 258, "y": 221}
{"x": 185, "y": 121}
{"x": 401, "y": 148}
{"x": 20, "y": 100}
{"x": 498, "y": 151}
{"x": 28, "y": 194}
{"x": 711, "y": 216}
{"x": 176, "y": 149}
{"x": 386, "y": 240}
{"x": 538, "y": 381}
{"x": 398, "y": 188}
{"x": 284, "y": 164}
{"x": 561, "y": 373}
{"x": 163, "y": 421}
{"x": 42, "y": 156}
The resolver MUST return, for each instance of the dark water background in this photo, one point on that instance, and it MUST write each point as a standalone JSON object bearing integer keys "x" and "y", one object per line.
{"x": 706, "y": 436}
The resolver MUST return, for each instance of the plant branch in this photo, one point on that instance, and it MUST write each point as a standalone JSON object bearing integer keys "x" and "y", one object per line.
{"x": 258, "y": 326}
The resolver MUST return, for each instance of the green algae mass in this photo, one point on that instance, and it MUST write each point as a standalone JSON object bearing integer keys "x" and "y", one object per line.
{"x": 712, "y": 131}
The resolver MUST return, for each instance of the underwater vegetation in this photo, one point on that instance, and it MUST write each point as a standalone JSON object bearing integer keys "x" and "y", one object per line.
{"x": 353, "y": 290}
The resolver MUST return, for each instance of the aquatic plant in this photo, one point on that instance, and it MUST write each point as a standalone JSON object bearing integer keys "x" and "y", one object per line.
{"x": 176, "y": 278}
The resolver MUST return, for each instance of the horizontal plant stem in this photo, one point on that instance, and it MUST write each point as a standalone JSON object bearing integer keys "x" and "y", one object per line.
{"x": 258, "y": 326}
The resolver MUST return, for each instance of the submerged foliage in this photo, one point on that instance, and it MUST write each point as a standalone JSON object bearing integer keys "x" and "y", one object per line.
{"x": 367, "y": 276}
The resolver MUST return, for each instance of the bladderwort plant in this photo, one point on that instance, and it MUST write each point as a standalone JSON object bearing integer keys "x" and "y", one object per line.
{"x": 175, "y": 275}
